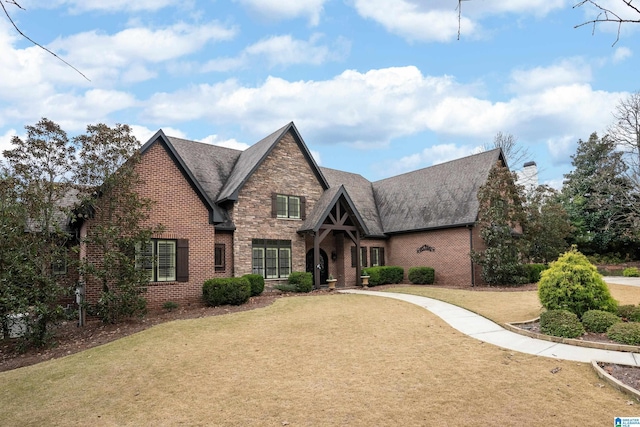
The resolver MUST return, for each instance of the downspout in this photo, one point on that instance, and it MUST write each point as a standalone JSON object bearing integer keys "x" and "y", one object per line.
{"x": 473, "y": 272}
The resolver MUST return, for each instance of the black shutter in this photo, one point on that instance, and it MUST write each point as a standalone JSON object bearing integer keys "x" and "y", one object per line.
{"x": 182, "y": 262}
{"x": 381, "y": 261}
{"x": 274, "y": 205}
{"x": 303, "y": 210}
{"x": 353, "y": 257}
{"x": 364, "y": 255}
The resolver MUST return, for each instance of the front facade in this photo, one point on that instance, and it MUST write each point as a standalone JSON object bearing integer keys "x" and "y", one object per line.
{"x": 271, "y": 210}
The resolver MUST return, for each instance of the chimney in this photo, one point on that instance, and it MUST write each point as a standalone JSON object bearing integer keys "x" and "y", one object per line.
{"x": 529, "y": 176}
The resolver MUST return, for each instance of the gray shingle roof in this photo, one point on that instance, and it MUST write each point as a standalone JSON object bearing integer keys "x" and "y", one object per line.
{"x": 361, "y": 192}
{"x": 211, "y": 165}
{"x": 443, "y": 195}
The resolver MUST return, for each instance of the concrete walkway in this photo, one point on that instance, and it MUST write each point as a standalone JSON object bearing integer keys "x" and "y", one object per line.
{"x": 619, "y": 280}
{"x": 485, "y": 330}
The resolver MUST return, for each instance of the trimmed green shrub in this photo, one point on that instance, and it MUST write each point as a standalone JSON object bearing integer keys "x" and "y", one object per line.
{"x": 629, "y": 313}
{"x": 573, "y": 283}
{"x": 625, "y": 333}
{"x": 384, "y": 275}
{"x": 257, "y": 283}
{"x": 631, "y": 272}
{"x": 170, "y": 305}
{"x": 560, "y": 323}
{"x": 226, "y": 291}
{"x": 532, "y": 272}
{"x": 598, "y": 321}
{"x": 301, "y": 281}
{"x": 422, "y": 275}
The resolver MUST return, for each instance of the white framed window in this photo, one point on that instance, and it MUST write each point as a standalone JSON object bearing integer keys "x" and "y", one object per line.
{"x": 158, "y": 257}
{"x": 288, "y": 206}
{"x": 271, "y": 258}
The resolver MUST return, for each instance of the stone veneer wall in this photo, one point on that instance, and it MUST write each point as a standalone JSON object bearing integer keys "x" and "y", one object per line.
{"x": 184, "y": 216}
{"x": 284, "y": 171}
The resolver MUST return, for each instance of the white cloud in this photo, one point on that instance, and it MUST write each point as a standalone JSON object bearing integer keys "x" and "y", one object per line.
{"x": 228, "y": 143}
{"x": 621, "y": 54}
{"x": 371, "y": 109}
{"x": 436, "y": 22}
{"x": 104, "y": 55}
{"x": 282, "y": 51}
{"x": 433, "y": 155}
{"x": 287, "y": 9}
{"x": 80, "y": 6}
{"x": 143, "y": 134}
{"x": 316, "y": 156}
{"x": 5, "y": 141}
{"x": 566, "y": 72}
{"x": 562, "y": 147}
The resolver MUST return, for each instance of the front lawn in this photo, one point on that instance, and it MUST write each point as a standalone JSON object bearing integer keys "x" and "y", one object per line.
{"x": 316, "y": 360}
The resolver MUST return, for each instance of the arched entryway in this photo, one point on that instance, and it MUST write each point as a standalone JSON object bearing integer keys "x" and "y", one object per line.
{"x": 324, "y": 266}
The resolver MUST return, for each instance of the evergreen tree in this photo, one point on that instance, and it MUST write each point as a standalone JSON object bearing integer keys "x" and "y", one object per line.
{"x": 596, "y": 197}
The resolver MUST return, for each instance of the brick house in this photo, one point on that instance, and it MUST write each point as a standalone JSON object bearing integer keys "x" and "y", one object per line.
{"x": 271, "y": 210}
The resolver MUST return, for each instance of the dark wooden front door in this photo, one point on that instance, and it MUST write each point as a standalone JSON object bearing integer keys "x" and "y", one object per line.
{"x": 324, "y": 266}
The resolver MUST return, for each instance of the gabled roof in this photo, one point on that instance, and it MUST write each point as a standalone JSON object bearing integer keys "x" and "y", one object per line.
{"x": 323, "y": 206}
{"x": 360, "y": 191}
{"x": 187, "y": 165}
{"x": 252, "y": 158}
{"x": 444, "y": 195}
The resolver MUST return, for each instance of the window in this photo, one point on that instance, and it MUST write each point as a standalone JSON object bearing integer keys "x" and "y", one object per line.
{"x": 164, "y": 260}
{"x": 219, "y": 257}
{"x": 284, "y": 206}
{"x": 363, "y": 256}
{"x": 377, "y": 256}
{"x": 271, "y": 258}
{"x": 59, "y": 264}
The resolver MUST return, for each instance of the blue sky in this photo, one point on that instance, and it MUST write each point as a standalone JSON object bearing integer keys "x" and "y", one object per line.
{"x": 376, "y": 87}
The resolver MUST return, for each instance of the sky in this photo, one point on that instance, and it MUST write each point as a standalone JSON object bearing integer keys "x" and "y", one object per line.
{"x": 375, "y": 87}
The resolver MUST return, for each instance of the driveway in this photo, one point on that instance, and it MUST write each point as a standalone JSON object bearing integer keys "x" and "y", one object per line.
{"x": 619, "y": 280}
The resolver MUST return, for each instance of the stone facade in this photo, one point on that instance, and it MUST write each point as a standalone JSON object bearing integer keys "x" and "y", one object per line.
{"x": 284, "y": 171}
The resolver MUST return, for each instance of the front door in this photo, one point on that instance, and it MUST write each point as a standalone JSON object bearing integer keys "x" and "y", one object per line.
{"x": 324, "y": 266}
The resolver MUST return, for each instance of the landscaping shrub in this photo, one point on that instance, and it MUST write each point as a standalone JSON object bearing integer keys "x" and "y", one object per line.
{"x": 625, "y": 333}
{"x": 422, "y": 275}
{"x": 223, "y": 291}
{"x": 170, "y": 305}
{"x": 598, "y": 321}
{"x": 383, "y": 275}
{"x": 573, "y": 283}
{"x": 631, "y": 272}
{"x": 300, "y": 281}
{"x": 629, "y": 313}
{"x": 561, "y": 323}
{"x": 532, "y": 272}
{"x": 257, "y": 283}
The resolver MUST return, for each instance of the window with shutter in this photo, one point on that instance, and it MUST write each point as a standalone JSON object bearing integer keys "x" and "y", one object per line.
{"x": 284, "y": 206}
{"x": 271, "y": 258}
{"x": 164, "y": 260}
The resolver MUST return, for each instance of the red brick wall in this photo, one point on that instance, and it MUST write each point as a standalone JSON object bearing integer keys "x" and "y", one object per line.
{"x": 184, "y": 216}
{"x": 450, "y": 257}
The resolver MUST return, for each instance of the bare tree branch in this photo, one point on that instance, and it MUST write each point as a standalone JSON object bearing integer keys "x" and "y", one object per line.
{"x": 608, "y": 15}
{"x": 6, "y": 12}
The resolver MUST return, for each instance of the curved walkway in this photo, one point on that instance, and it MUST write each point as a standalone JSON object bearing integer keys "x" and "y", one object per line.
{"x": 485, "y": 330}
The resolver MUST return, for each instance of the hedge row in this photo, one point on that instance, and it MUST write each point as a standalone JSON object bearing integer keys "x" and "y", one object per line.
{"x": 226, "y": 291}
{"x": 384, "y": 275}
{"x": 422, "y": 275}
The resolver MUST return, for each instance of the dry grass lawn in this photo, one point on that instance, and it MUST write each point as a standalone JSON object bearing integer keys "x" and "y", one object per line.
{"x": 504, "y": 307}
{"x": 319, "y": 361}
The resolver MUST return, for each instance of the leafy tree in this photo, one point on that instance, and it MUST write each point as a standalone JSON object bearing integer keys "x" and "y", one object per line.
{"x": 547, "y": 226}
{"x": 595, "y": 195}
{"x": 107, "y": 170}
{"x": 500, "y": 214}
{"x": 40, "y": 166}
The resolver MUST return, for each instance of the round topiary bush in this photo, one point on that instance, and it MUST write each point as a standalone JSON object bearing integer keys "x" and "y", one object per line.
{"x": 561, "y": 323}
{"x": 223, "y": 291}
{"x": 625, "y": 333}
{"x": 598, "y": 321}
{"x": 572, "y": 283}
{"x": 257, "y": 283}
